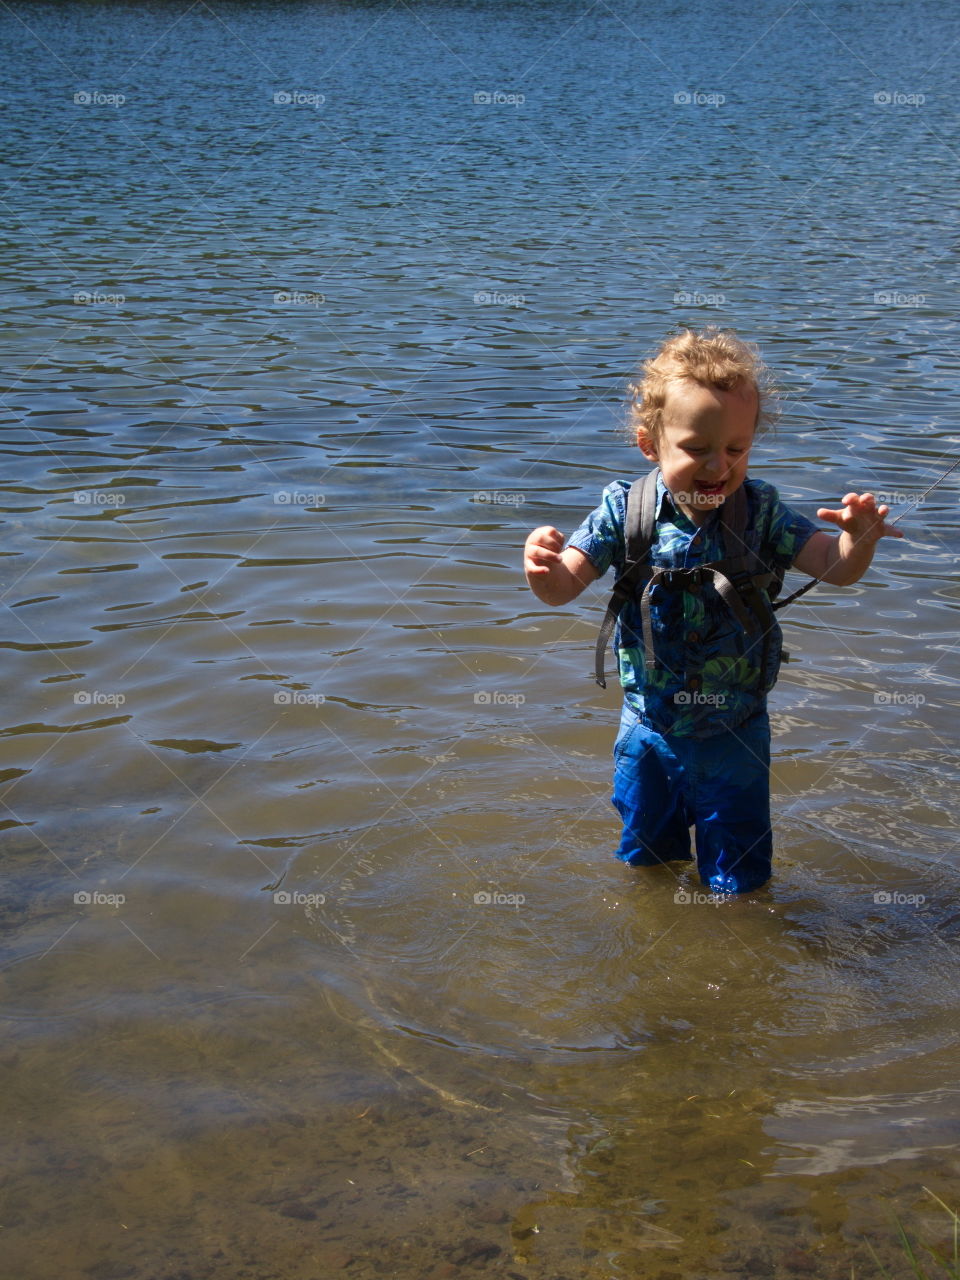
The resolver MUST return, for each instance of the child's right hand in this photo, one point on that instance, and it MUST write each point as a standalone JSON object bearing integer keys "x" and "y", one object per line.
{"x": 541, "y": 551}
{"x": 555, "y": 576}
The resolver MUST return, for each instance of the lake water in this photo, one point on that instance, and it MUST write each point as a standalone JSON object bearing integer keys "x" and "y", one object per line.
{"x": 316, "y": 958}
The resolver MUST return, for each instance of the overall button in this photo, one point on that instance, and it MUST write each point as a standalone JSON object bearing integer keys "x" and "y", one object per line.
{"x": 694, "y": 637}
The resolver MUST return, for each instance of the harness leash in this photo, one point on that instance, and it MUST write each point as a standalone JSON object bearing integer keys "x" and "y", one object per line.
{"x": 916, "y": 502}
{"x": 741, "y": 580}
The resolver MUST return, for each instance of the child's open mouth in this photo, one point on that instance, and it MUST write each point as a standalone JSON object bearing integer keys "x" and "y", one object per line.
{"x": 709, "y": 488}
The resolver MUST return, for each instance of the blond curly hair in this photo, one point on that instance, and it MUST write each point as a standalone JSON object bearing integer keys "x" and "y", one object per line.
{"x": 714, "y": 358}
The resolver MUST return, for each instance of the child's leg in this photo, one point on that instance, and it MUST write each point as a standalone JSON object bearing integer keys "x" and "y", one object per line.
{"x": 731, "y": 780}
{"x": 650, "y": 794}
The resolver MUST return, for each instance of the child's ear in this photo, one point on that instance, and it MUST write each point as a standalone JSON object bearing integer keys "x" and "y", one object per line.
{"x": 646, "y": 445}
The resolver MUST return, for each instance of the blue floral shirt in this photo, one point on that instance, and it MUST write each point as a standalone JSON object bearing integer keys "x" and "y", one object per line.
{"x": 693, "y": 631}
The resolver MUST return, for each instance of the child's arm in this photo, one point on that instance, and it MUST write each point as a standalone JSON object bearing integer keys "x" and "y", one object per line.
{"x": 844, "y": 560}
{"x": 555, "y": 576}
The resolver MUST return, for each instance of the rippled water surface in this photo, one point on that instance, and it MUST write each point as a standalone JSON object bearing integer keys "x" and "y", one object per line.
{"x": 316, "y": 958}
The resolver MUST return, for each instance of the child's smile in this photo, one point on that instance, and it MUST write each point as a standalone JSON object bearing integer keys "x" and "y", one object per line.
{"x": 704, "y": 445}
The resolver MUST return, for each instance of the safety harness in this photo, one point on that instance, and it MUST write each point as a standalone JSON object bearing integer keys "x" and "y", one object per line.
{"x": 741, "y": 578}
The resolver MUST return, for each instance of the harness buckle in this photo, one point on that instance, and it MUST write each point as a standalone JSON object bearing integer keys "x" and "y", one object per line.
{"x": 677, "y": 579}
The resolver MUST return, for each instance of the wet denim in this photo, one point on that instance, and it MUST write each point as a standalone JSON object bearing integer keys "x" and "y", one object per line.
{"x": 664, "y": 784}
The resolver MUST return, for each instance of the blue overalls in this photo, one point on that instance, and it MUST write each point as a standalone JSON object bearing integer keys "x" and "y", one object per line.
{"x": 695, "y": 751}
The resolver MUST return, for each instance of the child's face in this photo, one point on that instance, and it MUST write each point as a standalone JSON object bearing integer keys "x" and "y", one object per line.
{"x": 704, "y": 444}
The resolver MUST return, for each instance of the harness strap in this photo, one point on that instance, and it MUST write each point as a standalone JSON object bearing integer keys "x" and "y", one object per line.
{"x": 638, "y": 532}
{"x": 749, "y": 589}
{"x": 749, "y": 619}
{"x": 641, "y": 522}
{"x": 734, "y": 601}
{"x": 668, "y": 578}
{"x": 606, "y": 630}
{"x": 749, "y": 585}
{"x": 742, "y": 589}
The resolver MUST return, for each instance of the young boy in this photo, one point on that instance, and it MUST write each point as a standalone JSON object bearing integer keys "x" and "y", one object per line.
{"x": 696, "y": 657}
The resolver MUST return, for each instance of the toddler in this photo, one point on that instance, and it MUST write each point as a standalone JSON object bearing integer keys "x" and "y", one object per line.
{"x": 697, "y": 643}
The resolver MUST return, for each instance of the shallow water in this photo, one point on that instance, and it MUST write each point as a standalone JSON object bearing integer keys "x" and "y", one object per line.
{"x": 316, "y": 957}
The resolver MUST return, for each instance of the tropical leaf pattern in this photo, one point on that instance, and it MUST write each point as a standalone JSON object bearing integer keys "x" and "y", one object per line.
{"x": 710, "y": 674}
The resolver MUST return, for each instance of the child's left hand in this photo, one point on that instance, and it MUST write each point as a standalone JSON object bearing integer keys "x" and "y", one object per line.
{"x": 861, "y": 518}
